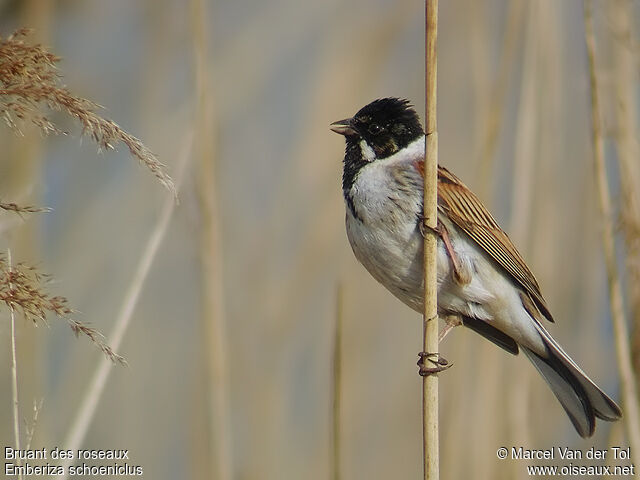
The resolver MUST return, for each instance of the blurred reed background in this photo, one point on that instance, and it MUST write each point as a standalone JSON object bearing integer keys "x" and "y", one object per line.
{"x": 230, "y": 348}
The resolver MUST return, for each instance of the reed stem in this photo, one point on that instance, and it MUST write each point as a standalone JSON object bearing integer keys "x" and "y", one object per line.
{"x": 620, "y": 331}
{"x": 430, "y": 313}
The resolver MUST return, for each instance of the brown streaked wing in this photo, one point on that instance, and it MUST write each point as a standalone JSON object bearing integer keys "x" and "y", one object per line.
{"x": 467, "y": 212}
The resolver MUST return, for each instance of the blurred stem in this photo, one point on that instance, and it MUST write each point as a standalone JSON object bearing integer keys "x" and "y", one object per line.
{"x": 337, "y": 383}
{"x": 499, "y": 93}
{"x": 430, "y": 313}
{"x": 526, "y": 133}
{"x": 92, "y": 396}
{"x": 31, "y": 430}
{"x": 523, "y": 187}
{"x": 621, "y": 335}
{"x": 212, "y": 297}
{"x": 22, "y": 165}
{"x": 14, "y": 373}
{"x": 626, "y": 144}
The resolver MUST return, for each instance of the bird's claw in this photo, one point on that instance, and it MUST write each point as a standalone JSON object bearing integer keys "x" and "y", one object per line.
{"x": 440, "y": 363}
{"x": 424, "y": 228}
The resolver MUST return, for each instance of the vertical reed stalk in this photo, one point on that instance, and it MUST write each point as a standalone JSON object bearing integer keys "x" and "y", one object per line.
{"x": 621, "y": 334}
{"x": 212, "y": 295}
{"x": 624, "y": 60}
{"x": 14, "y": 373}
{"x": 522, "y": 195}
{"x": 22, "y": 174}
{"x": 499, "y": 94}
{"x": 337, "y": 385}
{"x": 430, "y": 314}
{"x": 92, "y": 396}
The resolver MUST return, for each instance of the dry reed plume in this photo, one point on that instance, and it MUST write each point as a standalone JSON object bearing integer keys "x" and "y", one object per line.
{"x": 22, "y": 290}
{"x": 20, "y": 209}
{"x": 30, "y": 81}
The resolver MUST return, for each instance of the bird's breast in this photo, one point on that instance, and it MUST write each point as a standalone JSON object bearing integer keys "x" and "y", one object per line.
{"x": 384, "y": 209}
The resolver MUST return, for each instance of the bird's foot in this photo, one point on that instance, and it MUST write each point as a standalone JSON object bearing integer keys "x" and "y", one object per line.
{"x": 461, "y": 274}
{"x": 440, "y": 363}
{"x": 424, "y": 228}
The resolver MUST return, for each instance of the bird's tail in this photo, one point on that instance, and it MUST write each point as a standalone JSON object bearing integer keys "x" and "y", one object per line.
{"x": 580, "y": 397}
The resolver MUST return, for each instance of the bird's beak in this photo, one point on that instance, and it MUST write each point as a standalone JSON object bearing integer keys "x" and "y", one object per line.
{"x": 343, "y": 127}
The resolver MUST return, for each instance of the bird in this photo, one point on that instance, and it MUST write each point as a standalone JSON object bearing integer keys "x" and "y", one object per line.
{"x": 482, "y": 280}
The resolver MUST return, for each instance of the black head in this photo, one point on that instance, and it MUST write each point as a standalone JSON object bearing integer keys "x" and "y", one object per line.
{"x": 386, "y": 125}
{"x": 377, "y": 131}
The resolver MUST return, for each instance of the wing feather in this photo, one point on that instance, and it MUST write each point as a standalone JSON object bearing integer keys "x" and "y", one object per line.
{"x": 467, "y": 212}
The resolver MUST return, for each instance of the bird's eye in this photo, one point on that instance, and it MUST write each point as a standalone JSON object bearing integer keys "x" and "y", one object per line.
{"x": 374, "y": 129}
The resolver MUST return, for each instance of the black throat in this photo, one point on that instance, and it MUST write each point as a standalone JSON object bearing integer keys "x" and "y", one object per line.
{"x": 352, "y": 164}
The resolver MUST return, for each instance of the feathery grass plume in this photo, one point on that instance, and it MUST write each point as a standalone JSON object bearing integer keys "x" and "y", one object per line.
{"x": 20, "y": 209}
{"x": 21, "y": 289}
{"x": 29, "y": 81}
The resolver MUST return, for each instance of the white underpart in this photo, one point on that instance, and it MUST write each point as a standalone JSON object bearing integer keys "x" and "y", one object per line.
{"x": 387, "y": 195}
{"x": 413, "y": 151}
{"x": 367, "y": 152}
